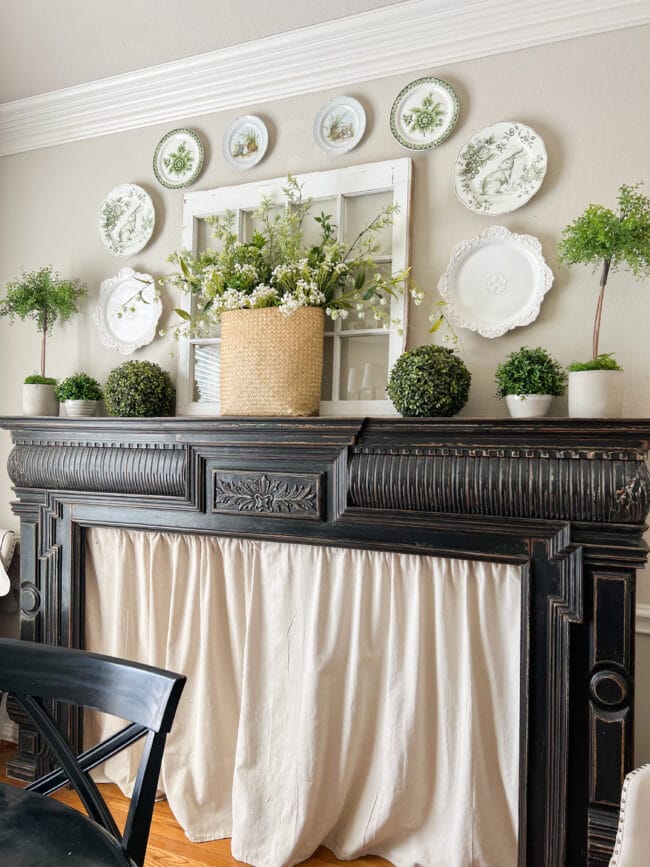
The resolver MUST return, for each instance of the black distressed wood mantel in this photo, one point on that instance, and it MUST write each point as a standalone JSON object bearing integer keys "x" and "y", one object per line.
{"x": 566, "y": 499}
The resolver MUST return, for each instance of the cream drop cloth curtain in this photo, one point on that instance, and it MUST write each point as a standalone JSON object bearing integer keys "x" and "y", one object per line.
{"x": 366, "y": 701}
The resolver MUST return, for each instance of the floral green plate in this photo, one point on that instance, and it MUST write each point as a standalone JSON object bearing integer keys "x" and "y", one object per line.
{"x": 500, "y": 168}
{"x": 178, "y": 159}
{"x": 424, "y": 113}
{"x": 126, "y": 220}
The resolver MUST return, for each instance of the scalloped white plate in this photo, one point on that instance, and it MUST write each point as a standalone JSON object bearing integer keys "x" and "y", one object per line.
{"x": 495, "y": 282}
{"x": 136, "y": 326}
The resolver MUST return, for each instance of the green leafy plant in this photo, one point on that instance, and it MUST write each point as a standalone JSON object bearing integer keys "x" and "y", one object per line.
{"x": 602, "y": 362}
{"x": 37, "y": 379}
{"x": 609, "y": 240}
{"x": 139, "y": 389}
{"x": 44, "y": 297}
{"x": 429, "y": 381}
{"x": 277, "y": 269}
{"x": 530, "y": 371}
{"x": 80, "y": 386}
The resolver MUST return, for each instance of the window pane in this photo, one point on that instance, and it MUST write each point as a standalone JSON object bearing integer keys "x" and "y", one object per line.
{"x": 364, "y": 367}
{"x": 328, "y": 356}
{"x": 359, "y": 213}
{"x": 206, "y": 372}
{"x": 311, "y": 229}
{"x": 354, "y": 321}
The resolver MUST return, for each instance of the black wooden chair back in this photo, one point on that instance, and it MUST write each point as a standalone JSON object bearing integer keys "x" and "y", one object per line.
{"x": 35, "y": 673}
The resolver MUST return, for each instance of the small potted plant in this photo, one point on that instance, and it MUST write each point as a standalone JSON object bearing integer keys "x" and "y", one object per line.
{"x": 80, "y": 394}
{"x": 608, "y": 241}
{"x": 139, "y": 389}
{"x": 429, "y": 381}
{"x": 529, "y": 379}
{"x": 46, "y": 298}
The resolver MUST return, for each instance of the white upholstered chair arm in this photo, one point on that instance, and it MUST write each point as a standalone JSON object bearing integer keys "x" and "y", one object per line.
{"x": 632, "y": 848}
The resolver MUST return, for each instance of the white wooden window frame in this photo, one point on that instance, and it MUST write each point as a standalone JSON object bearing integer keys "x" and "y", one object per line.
{"x": 392, "y": 176}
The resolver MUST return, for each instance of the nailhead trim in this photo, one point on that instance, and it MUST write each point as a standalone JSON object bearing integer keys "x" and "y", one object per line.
{"x": 621, "y": 818}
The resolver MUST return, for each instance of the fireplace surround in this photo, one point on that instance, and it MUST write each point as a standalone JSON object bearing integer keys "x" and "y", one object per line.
{"x": 564, "y": 499}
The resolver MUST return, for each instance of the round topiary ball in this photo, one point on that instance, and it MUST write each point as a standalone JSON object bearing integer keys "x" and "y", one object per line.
{"x": 139, "y": 388}
{"x": 429, "y": 381}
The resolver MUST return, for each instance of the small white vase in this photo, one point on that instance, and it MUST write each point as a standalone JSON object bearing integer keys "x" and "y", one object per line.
{"x": 80, "y": 408}
{"x": 39, "y": 400}
{"x": 595, "y": 393}
{"x": 528, "y": 405}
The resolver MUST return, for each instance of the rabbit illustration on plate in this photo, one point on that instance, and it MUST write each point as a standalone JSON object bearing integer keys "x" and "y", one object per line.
{"x": 495, "y": 182}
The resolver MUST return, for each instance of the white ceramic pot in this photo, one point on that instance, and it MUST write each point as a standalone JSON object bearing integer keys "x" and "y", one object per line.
{"x": 528, "y": 405}
{"x": 80, "y": 408}
{"x": 595, "y": 393}
{"x": 40, "y": 400}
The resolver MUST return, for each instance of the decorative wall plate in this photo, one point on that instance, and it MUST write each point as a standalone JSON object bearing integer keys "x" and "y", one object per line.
{"x": 339, "y": 125}
{"x": 126, "y": 220}
{"x": 495, "y": 282}
{"x": 424, "y": 113}
{"x": 178, "y": 159}
{"x": 500, "y": 168}
{"x": 128, "y": 311}
{"x": 245, "y": 142}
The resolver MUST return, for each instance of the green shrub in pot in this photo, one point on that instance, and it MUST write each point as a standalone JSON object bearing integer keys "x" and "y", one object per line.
{"x": 529, "y": 379}
{"x": 80, "y": 386}
{"x": 139, "y": 389}
{"x": 429, "y": 381}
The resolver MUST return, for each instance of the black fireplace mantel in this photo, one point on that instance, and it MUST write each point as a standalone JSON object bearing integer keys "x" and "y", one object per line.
{"x": 566, "y": 499}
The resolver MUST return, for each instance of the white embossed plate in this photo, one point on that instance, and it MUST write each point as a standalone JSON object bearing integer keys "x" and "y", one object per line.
{"x": 500, "y": 168}
{"x": 126, "y": 220}
{"x": 178, "y": 159}
{"x": 245, "y": 142}
{"x": 128, "y": 311}
{"x": 339, "y": 125}
{"x": 424, "y": 113}
{"x": 495, "y": 282}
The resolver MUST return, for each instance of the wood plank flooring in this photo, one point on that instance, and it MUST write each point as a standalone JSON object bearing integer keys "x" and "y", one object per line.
{"x": 168, "y": 845}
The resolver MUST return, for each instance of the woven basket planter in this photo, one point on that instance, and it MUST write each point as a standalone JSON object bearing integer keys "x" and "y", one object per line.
{"x": 271, "y": 363}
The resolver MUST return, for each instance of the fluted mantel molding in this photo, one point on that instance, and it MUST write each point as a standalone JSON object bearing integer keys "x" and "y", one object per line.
{"x": 551, "y": 468}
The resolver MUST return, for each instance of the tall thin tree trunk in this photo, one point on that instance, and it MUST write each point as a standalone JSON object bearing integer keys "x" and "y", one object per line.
{"x": 43, "y": 339}
{"x": 599, "y": 307}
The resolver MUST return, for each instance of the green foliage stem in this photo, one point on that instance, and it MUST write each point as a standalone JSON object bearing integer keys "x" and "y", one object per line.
{"x": 530, "y": 371}
{"x": 45, "y": 297}
{"x": 608, "y": 241}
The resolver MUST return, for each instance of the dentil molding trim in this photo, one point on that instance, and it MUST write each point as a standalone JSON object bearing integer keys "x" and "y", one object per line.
{"x": 406, "y": 37}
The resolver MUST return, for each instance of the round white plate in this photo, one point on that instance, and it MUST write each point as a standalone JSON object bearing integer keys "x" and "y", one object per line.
{"x": 126, "y": 220}
{"x": 178, "y": 159}
{"x": 500, "y": 168}
{"x": 495, "y": 282}
{"x": 424, "y": 113}
{"x": 245, "y": 142}
{"x": 125, "y": 320}
{"x": 339, "y": 125}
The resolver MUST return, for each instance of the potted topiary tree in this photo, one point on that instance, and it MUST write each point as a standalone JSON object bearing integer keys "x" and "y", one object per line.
{"x": 139, "y": 389}
{"x": 80, "y": 394}
{"x": 429, "y": 381}
{"x": 529, "y": 379}
{"x": 608, "y": 241}
{"x": 46, "y": 298}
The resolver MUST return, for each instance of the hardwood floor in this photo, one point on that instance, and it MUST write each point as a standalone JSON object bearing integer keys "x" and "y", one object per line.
{"x": 168, "y": 845}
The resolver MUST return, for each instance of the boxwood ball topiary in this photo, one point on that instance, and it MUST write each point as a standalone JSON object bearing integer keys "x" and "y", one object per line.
{"x": 139, "y": 389}
{"x": 429, "y": 381}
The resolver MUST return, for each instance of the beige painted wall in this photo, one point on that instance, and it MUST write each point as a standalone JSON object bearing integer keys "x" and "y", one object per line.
{"x": 586, "y": 97}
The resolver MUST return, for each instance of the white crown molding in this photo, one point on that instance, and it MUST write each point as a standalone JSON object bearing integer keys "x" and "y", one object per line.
{"x": 643, "y": 619}
{"x": 406, "y": 37}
